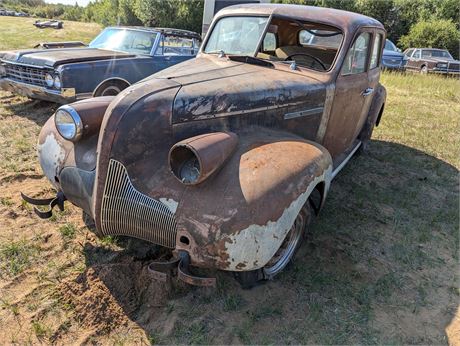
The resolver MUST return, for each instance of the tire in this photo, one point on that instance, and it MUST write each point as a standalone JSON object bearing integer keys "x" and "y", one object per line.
{"x": 285, "y": 254}
{"x": 110, "y": 88}
{"x": 424, "y": 70}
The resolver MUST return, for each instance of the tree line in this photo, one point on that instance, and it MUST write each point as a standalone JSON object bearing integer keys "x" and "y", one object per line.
{"x": 409, "y": 23}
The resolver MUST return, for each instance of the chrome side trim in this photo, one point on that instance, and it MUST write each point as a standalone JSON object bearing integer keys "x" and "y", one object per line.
{"x": 344, "y": 162}
{"x": 126, "y": 211}
{"x": 303, "y": 113}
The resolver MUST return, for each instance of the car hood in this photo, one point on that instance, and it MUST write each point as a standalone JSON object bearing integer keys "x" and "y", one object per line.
{"x": 392, "y": 54}
{"x": 213, "y": 87}
{"x": 55, "y": 57}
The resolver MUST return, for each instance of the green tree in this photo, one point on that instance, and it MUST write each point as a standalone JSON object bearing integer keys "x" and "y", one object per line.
{"x": 440, "y": 33}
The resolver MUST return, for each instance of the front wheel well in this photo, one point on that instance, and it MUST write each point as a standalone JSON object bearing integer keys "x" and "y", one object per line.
{"x": 119, "y": 83}
{"x": 317, "y": 197}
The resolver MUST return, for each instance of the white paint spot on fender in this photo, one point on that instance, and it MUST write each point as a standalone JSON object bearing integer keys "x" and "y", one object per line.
{"x": 256, "y": 245}
{"x": 51, "y": 155}
{"x": 170, "y": 203}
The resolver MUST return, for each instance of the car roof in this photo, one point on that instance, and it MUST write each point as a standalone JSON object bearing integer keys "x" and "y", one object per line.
{"x": 348, "y": 21}
{"x": 167, "y": 31}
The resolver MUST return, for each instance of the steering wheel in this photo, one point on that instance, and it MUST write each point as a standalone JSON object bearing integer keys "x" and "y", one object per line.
{"x": 310, "y": 56}
{"x": 141, "y": 46}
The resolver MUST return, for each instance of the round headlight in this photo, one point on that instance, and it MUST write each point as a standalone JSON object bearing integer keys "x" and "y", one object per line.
{"x": 68, "y": 123}
{"x": 49, "y": 80}
{"x": 57, "y": 82}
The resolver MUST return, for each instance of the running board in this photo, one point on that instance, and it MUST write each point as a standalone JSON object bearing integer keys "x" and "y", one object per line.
{"x": 345, "y": 161}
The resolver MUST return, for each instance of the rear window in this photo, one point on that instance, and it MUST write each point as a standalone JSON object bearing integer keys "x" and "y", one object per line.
{"x": 320, "y": 38}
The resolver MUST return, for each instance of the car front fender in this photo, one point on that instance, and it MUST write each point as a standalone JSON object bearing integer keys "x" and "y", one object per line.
{"x": 238, "y": 219}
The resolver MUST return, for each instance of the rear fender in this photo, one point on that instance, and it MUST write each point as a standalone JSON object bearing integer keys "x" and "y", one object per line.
{"x": 237, "y": 219}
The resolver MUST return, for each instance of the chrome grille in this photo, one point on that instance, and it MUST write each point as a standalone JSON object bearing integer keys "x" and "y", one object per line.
{"x": 453, "y": 66}
{"x": 126, "y": 211}
{"x": 25, "y": 74}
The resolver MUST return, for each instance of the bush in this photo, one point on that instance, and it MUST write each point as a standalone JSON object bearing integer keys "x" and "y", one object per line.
{"x": 433, "y": 34}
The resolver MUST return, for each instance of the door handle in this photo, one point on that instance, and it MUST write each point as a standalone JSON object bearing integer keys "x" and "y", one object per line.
{"x": 367, "y": 92}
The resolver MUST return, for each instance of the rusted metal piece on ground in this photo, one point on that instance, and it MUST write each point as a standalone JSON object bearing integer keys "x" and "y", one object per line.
{"x": 163, "y": 270}
{"x": 50, "y": 202}
{"x": 266, "y": 131}
{"x": 184, "y": 274}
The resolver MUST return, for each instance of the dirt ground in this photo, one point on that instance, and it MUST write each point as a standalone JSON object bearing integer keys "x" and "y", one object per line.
{"x": 380, "y": 264}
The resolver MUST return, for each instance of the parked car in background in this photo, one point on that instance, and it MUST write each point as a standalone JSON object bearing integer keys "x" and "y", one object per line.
{"x": 392, "y": 58}
{"x": 54, "y": 24}
{"x": 225, "y": 158}
{"x": 115, "y": 59}
{"x": 431, "y": 60}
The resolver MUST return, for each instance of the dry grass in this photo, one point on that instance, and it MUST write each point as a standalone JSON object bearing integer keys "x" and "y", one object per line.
{"x": 381, "y": 265}
{"x": 19, "y": 33}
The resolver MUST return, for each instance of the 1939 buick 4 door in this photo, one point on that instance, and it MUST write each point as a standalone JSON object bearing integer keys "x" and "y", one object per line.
{"x": 225, "y": 158}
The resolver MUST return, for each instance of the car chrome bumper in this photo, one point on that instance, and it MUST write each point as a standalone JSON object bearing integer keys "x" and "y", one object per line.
{"x": 444, "y": 72}
{"x": 65, "y": 95}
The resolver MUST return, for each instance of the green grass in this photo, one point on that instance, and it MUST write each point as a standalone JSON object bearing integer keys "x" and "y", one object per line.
{"x": 19, "y": 33}
{"x": 16, "y": 256}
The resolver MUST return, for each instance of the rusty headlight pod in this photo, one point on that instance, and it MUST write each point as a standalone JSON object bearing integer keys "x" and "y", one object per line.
{"x": 2, "y": 70}
{"x": 68, "y": 123}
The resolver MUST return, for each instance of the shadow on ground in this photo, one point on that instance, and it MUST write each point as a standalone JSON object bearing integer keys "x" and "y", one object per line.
{"x": 380, "y": 266}
{"x": 34, "y": 110}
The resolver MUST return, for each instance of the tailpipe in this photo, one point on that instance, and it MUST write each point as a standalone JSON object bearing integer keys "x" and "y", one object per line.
{"x": 194, "y": 159}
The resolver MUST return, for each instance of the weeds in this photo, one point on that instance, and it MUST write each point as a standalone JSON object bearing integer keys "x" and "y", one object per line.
{"x": 15, "y": 257}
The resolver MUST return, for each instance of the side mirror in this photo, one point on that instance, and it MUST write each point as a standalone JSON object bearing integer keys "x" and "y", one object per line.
{"x": 399, "y": 50}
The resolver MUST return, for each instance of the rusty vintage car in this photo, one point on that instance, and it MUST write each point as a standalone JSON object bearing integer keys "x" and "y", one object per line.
{"x": 224, "y": 159}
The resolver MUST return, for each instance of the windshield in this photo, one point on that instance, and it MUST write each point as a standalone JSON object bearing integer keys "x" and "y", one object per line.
{"x": 390, "y": 46}
{"x": 236, "y": 35}
{"x": 125, "y": 40}
{"x": 431, "y": 53}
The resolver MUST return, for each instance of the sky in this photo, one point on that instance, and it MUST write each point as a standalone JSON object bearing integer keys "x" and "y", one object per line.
{"x": 69, "y": 2}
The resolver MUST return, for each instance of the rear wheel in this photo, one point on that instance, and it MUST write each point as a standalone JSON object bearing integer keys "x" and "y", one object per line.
{"x": 283, "y": 256}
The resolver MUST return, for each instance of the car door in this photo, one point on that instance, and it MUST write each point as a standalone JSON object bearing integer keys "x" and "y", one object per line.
{"x": 414, "y": 62}
{"x": 353, "y": 93}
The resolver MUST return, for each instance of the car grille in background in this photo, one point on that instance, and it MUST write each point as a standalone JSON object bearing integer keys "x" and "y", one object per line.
{"x": 126, "y": 211}
{"x": 25, "y": 74}
{"x": 392, "y": 61}
{"x": 453, "y": 67}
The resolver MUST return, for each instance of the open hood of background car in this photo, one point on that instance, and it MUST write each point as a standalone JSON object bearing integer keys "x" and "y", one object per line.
{"x": 54, "y": 57}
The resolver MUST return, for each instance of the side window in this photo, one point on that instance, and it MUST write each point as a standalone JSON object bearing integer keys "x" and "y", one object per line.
{"x": 376, "y": 51}
{"x": 355, "y": 61}
{"x": 417, "y": 54}
{"x": 175, "y": 45}
{"x": 408, "y": 53}
{"x": 269, "y": 42}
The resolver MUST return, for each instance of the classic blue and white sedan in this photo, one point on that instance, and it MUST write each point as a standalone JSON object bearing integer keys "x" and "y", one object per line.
{"x": 115, "y": 59}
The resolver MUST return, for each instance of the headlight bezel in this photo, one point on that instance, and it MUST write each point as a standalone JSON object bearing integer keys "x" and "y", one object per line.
{"x": 77, "y": 122}
{"x": 441, "y": 65}
{"x": 2, "y": 70}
